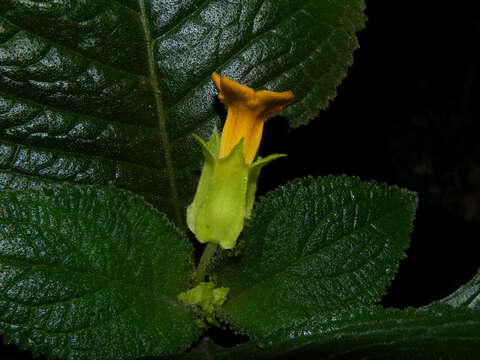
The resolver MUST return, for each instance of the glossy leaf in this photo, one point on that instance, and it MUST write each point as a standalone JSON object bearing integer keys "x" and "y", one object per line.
{"x": 439, "y": 333}
{"x": 468, "y": 295}
{"x": 315, "y": 245}
{"x": 90, "y": 273}
{"x": 109, "y": 91}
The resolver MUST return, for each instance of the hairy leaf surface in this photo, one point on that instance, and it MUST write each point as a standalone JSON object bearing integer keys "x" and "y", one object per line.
{"x": 108, "y": 91}
{"x": 316, "y": 245}
{"x": 90, "y": 273}
{"x": 371, "y": 334}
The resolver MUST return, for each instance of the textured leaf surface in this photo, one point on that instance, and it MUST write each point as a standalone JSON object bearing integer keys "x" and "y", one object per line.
{"x": 88, "y": 273}
{"x": 468, "y": 295}
{"x": 316, "y": 245}
{"x": 439, "y": 333}
{"x": 108, "y": 91}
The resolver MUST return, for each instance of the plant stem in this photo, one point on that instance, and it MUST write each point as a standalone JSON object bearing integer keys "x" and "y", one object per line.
{"x": 207, "y": 255}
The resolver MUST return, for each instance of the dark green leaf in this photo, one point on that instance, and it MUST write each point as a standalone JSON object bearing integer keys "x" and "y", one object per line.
{"x": 468, "y": 295}
{"x": 108, "y": 91}
{"x": 314, "y": 246}
{"x": 439, "y": 333}
{"x": 90, "y": 273}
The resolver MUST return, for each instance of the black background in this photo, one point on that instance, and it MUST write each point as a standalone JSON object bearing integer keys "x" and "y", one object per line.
{"x": 407, "y": 114}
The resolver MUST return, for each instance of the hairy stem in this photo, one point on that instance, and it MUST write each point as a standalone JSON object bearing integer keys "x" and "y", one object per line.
{"x": 207, "y": 255}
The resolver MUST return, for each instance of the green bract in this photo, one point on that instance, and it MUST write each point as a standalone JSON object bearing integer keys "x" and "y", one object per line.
{"x": 225, "y": 194}
{"x": 206, "y": 297}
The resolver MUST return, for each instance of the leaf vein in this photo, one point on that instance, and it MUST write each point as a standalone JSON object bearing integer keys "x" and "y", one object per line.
{"x": 80, "y": 154}
{"x": 23, "y": 263}
{"x": 285, "y": 268}
{"x": 75, "y": 52}
{"x": 242, "y": 48}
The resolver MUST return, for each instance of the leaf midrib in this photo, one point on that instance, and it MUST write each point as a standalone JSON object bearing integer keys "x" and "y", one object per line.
{"x": 284, "y": 270}
{"x": 171, "y": 300}
{"x": 13, "y": 261}
{"x": 372, "y": 345}
{"x": 352, "y": 330}
{"x": 161, "y": 117}
{"x": 160, "y": 113}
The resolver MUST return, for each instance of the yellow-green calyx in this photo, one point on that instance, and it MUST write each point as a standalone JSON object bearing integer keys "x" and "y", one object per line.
{"x": 228, "y": 182}
{"x": 206, "y": 297}
{"x": 225, "y": 194}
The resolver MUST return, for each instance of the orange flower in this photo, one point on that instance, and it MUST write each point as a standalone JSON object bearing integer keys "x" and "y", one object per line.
{"x": 226, "y": 189}
{"x": 246, "y": 113}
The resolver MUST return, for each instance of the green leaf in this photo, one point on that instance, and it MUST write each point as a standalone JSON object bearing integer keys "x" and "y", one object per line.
{"x": 316, "y": 245}
{"x": 109, "y": 91}
{"x": 468, "y": 295}
{"x": 373, "y": 333}
{"x": 91, "y": 273}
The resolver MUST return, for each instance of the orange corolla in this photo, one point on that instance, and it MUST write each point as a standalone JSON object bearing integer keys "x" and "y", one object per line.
{"x": 226, "y": 190}
{"x": 246, "y": 113}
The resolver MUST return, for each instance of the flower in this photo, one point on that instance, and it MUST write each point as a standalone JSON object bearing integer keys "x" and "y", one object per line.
{"x": 228, "y": 182}
{"x": 247, "y": 110}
